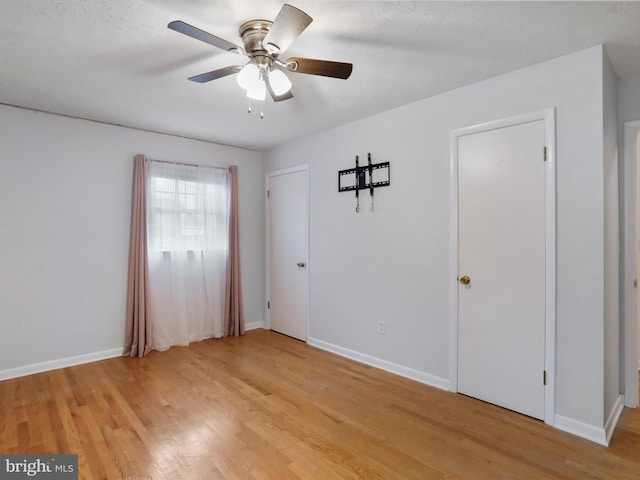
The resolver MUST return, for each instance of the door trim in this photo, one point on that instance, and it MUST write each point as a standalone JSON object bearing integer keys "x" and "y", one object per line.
{"x": 631, "y": 200}
{"x": 548, "y": 116}
{"x": 268, "y": 176}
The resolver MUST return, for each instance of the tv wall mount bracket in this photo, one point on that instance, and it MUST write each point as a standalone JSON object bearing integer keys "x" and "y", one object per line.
{"x": 370, "y": 176}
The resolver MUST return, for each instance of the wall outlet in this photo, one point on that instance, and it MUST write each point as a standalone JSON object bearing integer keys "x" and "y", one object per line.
{"x": 381, "y": 327}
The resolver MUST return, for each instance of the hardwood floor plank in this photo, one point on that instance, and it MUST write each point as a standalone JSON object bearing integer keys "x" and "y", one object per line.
{"x": 48, "y": 437}
{"x": 67, "y": 408}
{"x": 265, "y": 406}
{"x": 99, "y": 457}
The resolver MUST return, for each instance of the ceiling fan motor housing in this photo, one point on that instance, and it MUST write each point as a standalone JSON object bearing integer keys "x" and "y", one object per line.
{"x": 253, "y": 33}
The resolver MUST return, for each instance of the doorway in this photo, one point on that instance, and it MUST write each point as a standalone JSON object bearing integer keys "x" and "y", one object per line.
{"x": 631, "y": 257}
{"x": 503, "y": 262}
{"x": 287, "y": 251}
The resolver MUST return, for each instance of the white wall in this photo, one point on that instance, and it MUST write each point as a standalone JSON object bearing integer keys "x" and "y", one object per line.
{"x": 612, "y": 377}
{"x": 65, "y": 209}
{"x": 392, "y": 265}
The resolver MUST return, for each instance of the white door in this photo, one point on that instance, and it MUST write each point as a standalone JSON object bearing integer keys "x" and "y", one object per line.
{"x": 501, "y": 310}
{"x": 288, "y": 247}
{"x": 631, "y": 261}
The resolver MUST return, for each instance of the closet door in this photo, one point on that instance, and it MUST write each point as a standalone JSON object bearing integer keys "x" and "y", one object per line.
{"x": 501, "y": 258}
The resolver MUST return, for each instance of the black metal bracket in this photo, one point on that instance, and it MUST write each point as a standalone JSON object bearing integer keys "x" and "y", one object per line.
{"x": 362, "y": 180}
{"x": 364, "y": 177}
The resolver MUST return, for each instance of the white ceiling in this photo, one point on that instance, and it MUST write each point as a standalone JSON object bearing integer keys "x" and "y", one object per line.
{"x": 116, "y": 61}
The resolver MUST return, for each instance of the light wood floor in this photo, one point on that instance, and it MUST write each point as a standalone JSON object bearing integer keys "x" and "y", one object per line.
{"x": 265, "y": 406}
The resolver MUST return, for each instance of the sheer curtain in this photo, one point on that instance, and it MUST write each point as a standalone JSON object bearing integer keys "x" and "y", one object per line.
{"x": 187, "y": 223}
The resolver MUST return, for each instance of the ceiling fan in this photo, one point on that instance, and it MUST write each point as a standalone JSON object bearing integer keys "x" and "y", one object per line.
{"x": 263, "y": 42}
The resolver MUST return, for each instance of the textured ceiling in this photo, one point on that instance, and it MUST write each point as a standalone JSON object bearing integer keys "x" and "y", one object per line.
{"x": 116, "y": 61}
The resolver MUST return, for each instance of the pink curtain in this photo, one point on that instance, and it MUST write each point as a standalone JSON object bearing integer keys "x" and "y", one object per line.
{"x": 233, "y": 315}
{"x": 138, "y": 334}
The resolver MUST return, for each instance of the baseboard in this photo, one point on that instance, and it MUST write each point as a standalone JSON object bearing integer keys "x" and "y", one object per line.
{"x": 584, "y": 430}
{"x": 254, "y": 325}
{"x": 60, "y": 363}
{"x": 418, "y": 376}
{"x": 614, "y": 416}
{"x": 79, "y": 360}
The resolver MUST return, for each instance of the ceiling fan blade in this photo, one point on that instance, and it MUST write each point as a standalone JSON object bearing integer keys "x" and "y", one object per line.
{"x": 221, "y": 72}
{"x": 277, "y": 98}
{"x": 194, "y": 32}
{"x": 319, "y": 67}
{"x": 287, "y": 26}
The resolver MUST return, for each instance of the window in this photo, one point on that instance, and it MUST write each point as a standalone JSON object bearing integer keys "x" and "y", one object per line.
{"x": 187, "y": 208}
{"x": 187, "y": 243}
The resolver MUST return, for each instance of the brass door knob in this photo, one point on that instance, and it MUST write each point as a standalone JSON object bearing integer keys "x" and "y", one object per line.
{"x": 465, "y": 280}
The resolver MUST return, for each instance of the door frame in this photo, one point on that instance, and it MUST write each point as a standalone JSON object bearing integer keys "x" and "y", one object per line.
{"x": 548, "y": 116}
{"x": 268, "y": 176}
{"x": 631, "y": 187}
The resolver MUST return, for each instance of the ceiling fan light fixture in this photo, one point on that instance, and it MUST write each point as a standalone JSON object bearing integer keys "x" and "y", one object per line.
{"x": 248, "y": 76}
{"x": 280, "y": 83}
{"x": 257, "y": 91}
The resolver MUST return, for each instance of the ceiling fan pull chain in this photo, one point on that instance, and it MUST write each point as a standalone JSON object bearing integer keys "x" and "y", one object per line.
{"x": 261, "y": 109}
{"x": 249, "y": 110}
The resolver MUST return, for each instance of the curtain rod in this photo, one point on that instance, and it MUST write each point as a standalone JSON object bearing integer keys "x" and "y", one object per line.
{"x": 187, "y": 164}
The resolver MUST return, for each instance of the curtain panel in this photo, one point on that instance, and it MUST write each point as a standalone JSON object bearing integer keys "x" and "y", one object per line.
{"x": 138, "y": 331}
{"x": 184, "y": 265}
{"x": 233, "y": 314}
